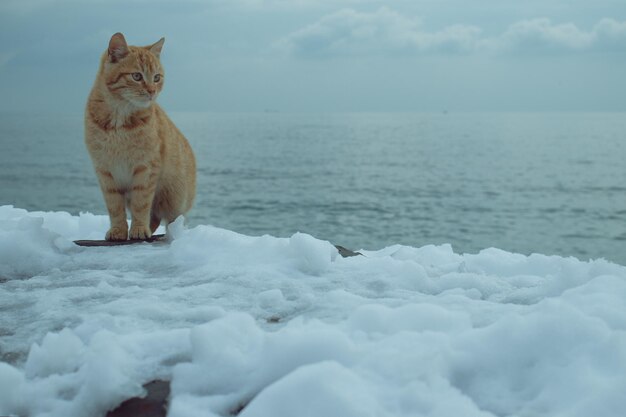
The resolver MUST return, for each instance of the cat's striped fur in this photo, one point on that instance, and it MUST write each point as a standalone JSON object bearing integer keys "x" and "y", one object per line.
{"x": 143, "y": 162}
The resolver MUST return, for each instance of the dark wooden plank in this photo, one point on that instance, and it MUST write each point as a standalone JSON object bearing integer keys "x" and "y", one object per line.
{"x": 344, "y": 252}
{"x": 154, "y": 238}
{"x": 154, "y": 404}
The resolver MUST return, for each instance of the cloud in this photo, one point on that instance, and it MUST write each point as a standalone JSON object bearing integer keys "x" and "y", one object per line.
{"x": 283, "y": 4}
{"x": 610, "y": 33}
{"x": 349, "y": 32}
{"x": 383, "y": 31}
{"x": 542, "y": 33}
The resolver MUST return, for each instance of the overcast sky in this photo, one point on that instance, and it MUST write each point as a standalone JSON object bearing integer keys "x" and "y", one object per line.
{"x": 327, "y": 55}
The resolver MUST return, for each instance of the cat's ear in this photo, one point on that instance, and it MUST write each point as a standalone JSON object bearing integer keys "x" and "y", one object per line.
{"x": 156, "y": 48}
{"x": 118, "y": 48}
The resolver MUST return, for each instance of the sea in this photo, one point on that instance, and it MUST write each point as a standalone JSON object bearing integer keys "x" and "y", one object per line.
{"x": 549, "y": 183}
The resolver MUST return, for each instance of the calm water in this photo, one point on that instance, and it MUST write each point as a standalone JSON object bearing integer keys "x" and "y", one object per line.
{"x": 549, "y": 183}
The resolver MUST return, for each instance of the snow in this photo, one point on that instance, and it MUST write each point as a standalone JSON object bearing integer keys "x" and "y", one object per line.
{"x": 285, "y": 326}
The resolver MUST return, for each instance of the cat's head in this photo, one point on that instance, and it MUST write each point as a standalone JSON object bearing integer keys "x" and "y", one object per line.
{"x": 133, "y": 73}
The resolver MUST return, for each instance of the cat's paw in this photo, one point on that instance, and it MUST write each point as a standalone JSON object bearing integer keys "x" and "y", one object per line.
{"x": 117, "y": 233}
{"x": 139, "y": 232}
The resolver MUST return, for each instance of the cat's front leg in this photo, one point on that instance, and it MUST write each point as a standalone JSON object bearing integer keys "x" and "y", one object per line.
{"x": 116, "y": 206}
{"x": 141, "y": 198}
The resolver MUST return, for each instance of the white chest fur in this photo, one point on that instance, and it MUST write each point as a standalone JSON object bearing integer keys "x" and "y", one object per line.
{"x": 122, "y": 173}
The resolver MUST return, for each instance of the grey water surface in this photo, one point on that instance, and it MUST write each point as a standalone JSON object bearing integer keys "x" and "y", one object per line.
{"x": 551, "y": 183}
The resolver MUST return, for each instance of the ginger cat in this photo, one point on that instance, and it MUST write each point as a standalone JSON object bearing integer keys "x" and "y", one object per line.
{"x": 142, "y": 160}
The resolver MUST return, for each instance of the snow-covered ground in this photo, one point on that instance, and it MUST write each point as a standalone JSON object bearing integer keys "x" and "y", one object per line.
{"x": 290, "y": 328}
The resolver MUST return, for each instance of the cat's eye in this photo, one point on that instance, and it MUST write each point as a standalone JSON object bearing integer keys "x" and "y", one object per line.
{"x": 157, "y": 78}
{"x": 137, "y": 76}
